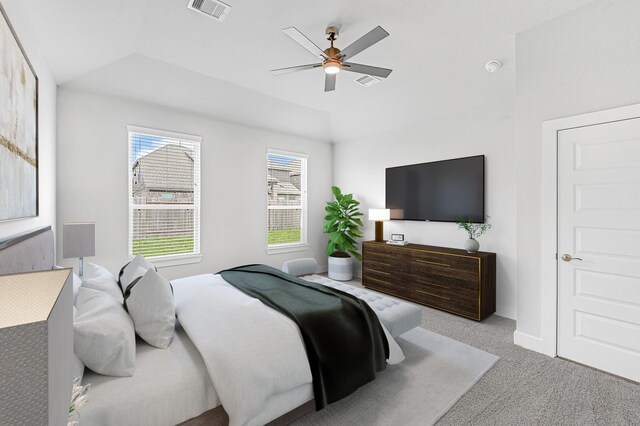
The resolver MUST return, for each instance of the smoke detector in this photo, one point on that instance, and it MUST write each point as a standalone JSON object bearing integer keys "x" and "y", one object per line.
{"x": 214, "y": 9}
{"x": 493, "y": 65}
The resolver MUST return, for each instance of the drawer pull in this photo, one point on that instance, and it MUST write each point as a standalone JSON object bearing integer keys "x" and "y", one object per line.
{"x": 431, "y": 294}
{"x": 380, "y": 281}
{"x": 432, "y": 263}
{"x": 428, "y": 283}
{"x": 378, "y": 272}
{"x": 379, "y": 263}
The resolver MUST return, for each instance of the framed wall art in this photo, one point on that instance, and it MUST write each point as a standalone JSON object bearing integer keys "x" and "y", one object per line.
{"x": 18, "y": 128}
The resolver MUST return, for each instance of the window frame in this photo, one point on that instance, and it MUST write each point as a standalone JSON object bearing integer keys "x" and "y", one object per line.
{"x": 303, "y": 244}
{"x": 173, "y": 259}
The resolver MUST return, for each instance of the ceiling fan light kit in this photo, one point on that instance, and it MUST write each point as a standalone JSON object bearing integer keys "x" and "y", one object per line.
{"x": 332, "y": 66}
{"x": 333, "y": 59}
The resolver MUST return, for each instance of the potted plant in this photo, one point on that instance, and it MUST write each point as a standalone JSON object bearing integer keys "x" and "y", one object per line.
{"x": 343, "y": 224}
{"x": 474, "y": 230}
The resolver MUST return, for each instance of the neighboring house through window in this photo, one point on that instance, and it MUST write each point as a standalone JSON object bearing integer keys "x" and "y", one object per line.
{"x": 286, "y": 201}
{"x": 164, "y": 195}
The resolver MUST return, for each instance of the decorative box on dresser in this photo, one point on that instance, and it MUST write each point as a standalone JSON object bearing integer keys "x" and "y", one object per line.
{"x": 448, "y": 279}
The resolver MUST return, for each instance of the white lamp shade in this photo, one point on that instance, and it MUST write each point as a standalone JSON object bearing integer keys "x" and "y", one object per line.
{"x": 78, "y": 240}
{"x": 379, "y": 214}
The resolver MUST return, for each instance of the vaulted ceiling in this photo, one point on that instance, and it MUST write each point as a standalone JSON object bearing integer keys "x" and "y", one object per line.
{"x": 160, "y": 51}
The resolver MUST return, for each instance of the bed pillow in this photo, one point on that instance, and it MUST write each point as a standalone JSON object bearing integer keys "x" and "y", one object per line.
{"x": 77, "y": 366}
{"x": 77, "y": 282}
{"x": 149, "y": 301}
{"x": 103, "y": 334}
{"x": 98, "y": 278}
{"x": 132, "y": 270}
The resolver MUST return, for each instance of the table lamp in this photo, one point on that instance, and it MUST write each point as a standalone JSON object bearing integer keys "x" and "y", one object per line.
{"x": 78, "y": 240}
{"x": 379, "y": 215}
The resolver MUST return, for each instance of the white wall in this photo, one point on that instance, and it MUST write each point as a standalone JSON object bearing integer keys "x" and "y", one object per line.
{"x": 587, "y": 60}
{"x": 359, "y": 168}
{"x": 92, "y": 180}
{"x": 19, "y": 17}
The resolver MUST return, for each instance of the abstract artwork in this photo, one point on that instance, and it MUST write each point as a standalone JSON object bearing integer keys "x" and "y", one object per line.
{"x": 18, "y": 128}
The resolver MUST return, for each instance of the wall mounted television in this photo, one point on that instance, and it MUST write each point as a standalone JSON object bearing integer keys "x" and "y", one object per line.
{"x": 440, "y": 191}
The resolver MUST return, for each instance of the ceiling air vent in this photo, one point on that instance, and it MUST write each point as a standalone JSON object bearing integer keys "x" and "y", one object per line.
{"x": 212, "y": 8}
{"x": 367, "y": 80}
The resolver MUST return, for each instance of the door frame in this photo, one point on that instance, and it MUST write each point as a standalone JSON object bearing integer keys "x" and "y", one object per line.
{"x": 549, "y": 214}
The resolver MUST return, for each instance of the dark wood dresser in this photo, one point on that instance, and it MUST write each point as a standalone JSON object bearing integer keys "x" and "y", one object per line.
{"x": 443, "y": 278}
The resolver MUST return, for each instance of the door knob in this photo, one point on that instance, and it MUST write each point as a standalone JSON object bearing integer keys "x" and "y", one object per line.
{"x": 569, "y": 258}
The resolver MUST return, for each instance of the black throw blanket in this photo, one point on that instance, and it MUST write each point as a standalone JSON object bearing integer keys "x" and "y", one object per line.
{"x": 344, "y": 340}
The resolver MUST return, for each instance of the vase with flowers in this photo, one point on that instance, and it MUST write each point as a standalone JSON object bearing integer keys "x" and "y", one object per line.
{"x": 474, "y": 230}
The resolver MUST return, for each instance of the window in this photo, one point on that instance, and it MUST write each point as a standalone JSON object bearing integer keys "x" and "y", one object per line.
{"x": 286, "y": 201}
{"x": 164, "y": 196}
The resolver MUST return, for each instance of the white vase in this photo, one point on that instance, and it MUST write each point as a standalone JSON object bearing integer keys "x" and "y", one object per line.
{"x": 471, "y": 245}
{"x": 341, "y": 268}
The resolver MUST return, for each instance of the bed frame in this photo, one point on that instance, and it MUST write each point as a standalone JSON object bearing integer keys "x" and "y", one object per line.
{"x": 35, "y": 251}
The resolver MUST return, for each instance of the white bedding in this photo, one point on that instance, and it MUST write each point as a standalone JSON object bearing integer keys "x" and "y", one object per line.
{"x": 169, "y": 386}
{"x": 258, "y": 365}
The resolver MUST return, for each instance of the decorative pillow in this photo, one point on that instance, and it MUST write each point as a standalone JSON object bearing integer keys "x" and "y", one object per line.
{"x": 98, "y": 278}
{"x": 149, "y": 301}
{"x": 132, "y": 270}
{"x": 300, "y": 267}
{"x": 103, "y": 334}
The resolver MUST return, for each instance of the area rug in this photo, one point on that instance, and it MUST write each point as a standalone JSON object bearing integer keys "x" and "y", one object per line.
{"x": 435, "y": 374}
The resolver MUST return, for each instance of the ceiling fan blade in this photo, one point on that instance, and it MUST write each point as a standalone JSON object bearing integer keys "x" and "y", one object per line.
{"x": 367, "y": 40}
{"x": 366, "y": 69}
{"x": 329, "y": 82}
{"x": 303, "y": 41}
{"x": 294, "y": 69}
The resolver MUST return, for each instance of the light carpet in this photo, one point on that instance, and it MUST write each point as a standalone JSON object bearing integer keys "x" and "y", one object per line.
{"x": 436, "y": 372}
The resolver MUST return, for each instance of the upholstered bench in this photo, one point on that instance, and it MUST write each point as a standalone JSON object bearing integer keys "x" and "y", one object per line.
{"x": 397, "y": 316}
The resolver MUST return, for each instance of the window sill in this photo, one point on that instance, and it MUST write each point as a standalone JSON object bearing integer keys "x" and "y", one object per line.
{"x": 175, "y": 260}
{"x": 287, "y": 248}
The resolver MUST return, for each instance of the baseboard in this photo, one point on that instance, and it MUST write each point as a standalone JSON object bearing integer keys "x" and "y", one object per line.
{"x": 528, "y": 341}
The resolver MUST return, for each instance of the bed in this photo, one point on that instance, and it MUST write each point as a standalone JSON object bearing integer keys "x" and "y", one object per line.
{"x": 172, "y": 386}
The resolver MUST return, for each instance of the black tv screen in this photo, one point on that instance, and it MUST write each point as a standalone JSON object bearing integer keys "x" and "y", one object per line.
{"x": 440, "y": 191}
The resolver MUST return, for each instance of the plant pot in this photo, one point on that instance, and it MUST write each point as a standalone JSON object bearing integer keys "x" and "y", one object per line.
{"x": 471, "y": 245}
{"x": 341, "y": 268}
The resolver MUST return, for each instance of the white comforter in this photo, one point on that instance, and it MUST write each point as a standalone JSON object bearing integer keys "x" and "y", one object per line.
{"x": 254, "y": 354}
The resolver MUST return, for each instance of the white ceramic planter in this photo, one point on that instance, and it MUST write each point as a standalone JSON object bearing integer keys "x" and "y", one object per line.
{"x": 341, "y": 268}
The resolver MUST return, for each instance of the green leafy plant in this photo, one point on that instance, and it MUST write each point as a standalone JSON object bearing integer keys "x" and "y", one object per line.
{"x": 473, "y": 229}
{"x": 343, "y": 224}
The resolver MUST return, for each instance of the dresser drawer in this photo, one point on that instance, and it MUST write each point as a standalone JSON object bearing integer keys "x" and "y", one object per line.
{"x": 386, "y": 284}
{"x": 447, "y": 302}
{"x": 451, "y": 280}
{"x": 387, "y": 259}
{"x": 445, "y": 290}
{"x": 463, "y": 263}
{"x": 445, "y": 265}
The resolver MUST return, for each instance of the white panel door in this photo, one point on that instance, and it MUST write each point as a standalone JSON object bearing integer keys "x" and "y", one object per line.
{"x": 599, "y": 246}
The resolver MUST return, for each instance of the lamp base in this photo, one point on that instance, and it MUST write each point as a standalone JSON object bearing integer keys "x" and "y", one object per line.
{"x": 379, "y": 231}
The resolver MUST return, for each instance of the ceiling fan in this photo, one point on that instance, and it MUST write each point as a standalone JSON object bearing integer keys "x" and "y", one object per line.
{"x": 334, "y": 59}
